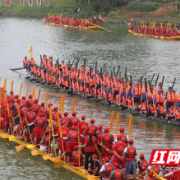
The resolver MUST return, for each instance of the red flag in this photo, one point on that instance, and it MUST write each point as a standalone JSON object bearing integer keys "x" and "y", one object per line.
{"x": 30, "y": 2}
{"x": 22, "y": 2}
{"x": 38, "y": 2}
{"x": 47, "y": 3}
{"x": 7, "y": 2}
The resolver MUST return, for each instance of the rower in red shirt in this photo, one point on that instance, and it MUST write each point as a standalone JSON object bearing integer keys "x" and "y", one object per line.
{"x": 118, "y": 149}
{"x": 35, "y": 107}
{"x": 173, "y": 175}
{"x": 124, "y": 137}
{"x": 92, "y": 127}
{"x": 83, "y": 125}
{"x": 29, "y": 102}
{"x": 43, "y": 109}
{"x": 63, "y": 139}
{"x": 107, "y": 141}
{"x": 65, "y": 119}
{"x": 40, "y": 125}
{"x": 73, "y": 121}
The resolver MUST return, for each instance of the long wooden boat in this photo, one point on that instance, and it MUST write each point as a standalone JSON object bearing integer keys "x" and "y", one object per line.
{"x": 76, "y": 27}
{"x": 159, "y": 37}
{"x": 32, "y": 78}
{"x": 57, "y": 162}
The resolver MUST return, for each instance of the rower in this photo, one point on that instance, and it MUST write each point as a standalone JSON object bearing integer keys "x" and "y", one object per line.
{"x": 124, "y": 137}
{"x": 97, "y": 165}
{"x": 130, "y": 154}
{"x": 116, "y": 173}
{"x": 83, "y": 125}
{"x": 77, "y": 157}
{"x": 107, "y": 141}
{"x": 142, "y": 164}
{"x": 106, "y": 169}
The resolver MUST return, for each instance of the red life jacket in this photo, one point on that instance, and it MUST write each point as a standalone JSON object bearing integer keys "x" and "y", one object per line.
{"x": 107, "y": 170}
{"x": 64, "y": 120}
{"x": 99, "y": 135}
{"x": 93, "y": 128}
{"x": 144, "y": 165}
{"x": 73, "y": 137}
{"x": 31, "y": 117}
{"x": 155, "y": 168}
{"x": 76, "y": 157}
{"x": 73, "y": 121}
{"x": 36, "y": 108}
{"x": 40, "y": 122}
{"x": 131, "y": 153}
{"x": 124, "y": 138}
{"x": 43, "y": 110}
{"x": 107, "y": 139}
{"x": 90, "y": 145}
{"x": 24, "y": 112}
{"x": 55, "y": 115}
{"x": 16, "y": 109}
{"x": 29, "y": 103}
{"x": 117, "y": 174}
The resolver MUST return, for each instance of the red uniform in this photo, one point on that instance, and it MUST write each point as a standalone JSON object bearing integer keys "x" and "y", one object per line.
{"x": 35, "y": 108}
{"x": 65, "y": 132}
{"x": 83, "y": 125}
{"x": 40, "y": 123}
{"x": 71, "y": 141}
{"x": 73, "y": 121}
{"x": 90, "y": 146}
{"x": 76, "y": 155}
{"x": 107, "y": 141}
{"x": 119, "y": 149}
{"x": 64, "y": 120}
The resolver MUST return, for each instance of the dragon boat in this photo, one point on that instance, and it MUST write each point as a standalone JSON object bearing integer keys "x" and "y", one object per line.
{"x": 152, "y": 36}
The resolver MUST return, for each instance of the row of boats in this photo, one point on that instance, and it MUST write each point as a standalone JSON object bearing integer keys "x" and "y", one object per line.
{"x": 16, "y": 126}
{"x": 141, "y": 98}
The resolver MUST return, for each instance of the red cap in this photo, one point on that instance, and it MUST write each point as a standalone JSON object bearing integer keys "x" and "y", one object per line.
{"x": 30, "y": 96}
{"x": 36, "y": 100}
{"x": 141, "y": 156}
{"x": 55, "y": 108}
{"x": 121, "y": 129}
{"x": 11, "y": 92}
{"x": 119, "y": 137}
{"x": 18, "y": 100}
{"x": 106, "y": 129}
{"x": 150, "y": 173}
{"x": 94, "y": 156}
{"x": 43, "y": 103}
{"x": 23, "y": 97}
{"x": 74, "y": 113}
{"x": 92, "y": 120}
{"x": 66, "y": 113}
{"x": 100, "y": 127}
{"x": 16, "y": 96}
{"x": 83, "y": 117}
{"x": 106, "y": 159}
{"x": 131, "y": 141}
{"x": 75, "y": 147}
{"x": 50, "y": 104}
{"x": 116, "y": 165}
{"x": 90, "y": 132}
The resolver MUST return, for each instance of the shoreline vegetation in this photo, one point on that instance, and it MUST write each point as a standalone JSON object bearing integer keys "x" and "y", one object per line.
{"x": 118, "y": 12}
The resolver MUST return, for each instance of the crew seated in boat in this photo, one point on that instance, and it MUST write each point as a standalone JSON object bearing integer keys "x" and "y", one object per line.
{"x": 151, "y": 110}
{"x": 142, "y": 108}
{"x": 160, "y": 111}
{"x": 177, "y": 114}
{"x": 170, "y": 113}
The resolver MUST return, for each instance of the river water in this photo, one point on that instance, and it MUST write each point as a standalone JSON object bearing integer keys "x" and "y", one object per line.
{"x": 141, "y": 56}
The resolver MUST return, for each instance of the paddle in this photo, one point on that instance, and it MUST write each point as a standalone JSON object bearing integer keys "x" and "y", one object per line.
{"x": 173, "y": 83}
{"x": 130, "y": 125}
{"x": 16, "y": 69}
{"x": 152, "y": 77}
{"x": 101, "y": 27}
{"x": 157, "y": 79}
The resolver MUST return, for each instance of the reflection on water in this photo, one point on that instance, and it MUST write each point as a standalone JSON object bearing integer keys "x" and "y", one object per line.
{"x": 140, "y": 55}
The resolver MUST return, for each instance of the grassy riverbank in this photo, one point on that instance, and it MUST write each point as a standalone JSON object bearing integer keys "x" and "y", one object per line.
{"x": 120, "y": 13}
{"x": 65, "y": 7}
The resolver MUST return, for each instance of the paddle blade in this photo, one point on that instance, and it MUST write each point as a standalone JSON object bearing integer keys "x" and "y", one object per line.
{"x": 30, "y": 146}
{"x": 54, "y": 159}
{"x": 12, "y": 138}
{"x": 34, "y": 153}
{"x": 58, "y": 164}
{"x": 19, "y": 148}
{"x": 46, "y": 157}
{"x": 5, "y": 136}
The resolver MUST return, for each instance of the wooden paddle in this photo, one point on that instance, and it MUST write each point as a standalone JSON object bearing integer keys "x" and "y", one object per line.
{"x": 16, "y": 69}
{"x": 101, "y": 27}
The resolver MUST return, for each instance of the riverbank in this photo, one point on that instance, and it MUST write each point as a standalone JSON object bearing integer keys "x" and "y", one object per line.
{"x": 62, "y": 7}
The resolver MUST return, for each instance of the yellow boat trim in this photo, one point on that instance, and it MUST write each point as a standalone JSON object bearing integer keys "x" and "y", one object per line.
{"x": 57, "y": 162}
